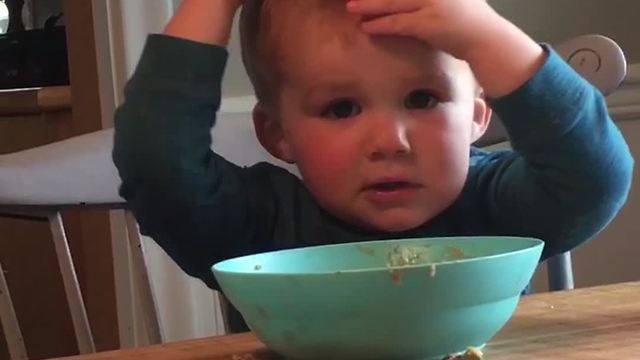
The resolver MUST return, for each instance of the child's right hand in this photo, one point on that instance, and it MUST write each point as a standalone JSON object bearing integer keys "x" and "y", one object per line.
{"x": 205, "y": 21}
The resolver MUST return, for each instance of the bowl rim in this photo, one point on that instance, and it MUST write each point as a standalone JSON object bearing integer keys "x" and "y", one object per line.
{"x": 535, "y": 243}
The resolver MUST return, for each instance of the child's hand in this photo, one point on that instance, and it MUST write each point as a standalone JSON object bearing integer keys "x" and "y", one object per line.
{"x": 501, "y": 56}
{"x": 453, "y": 26}
{"x": 206, "y": 21}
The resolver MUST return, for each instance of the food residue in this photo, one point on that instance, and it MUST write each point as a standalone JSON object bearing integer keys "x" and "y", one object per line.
{"x": 432, "y": 270}
{"x": 396, "y": 276}
{"x": 456, "y": 253}
{"x": 470, "y": 354}
{"x": 257, "y": 267}
{"x": 400, "y": 257}
{"x": 366, "y": 250}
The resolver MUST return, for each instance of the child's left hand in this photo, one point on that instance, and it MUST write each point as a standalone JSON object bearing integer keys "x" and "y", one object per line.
{"x": 453, "y": 26}
{"x": 501, "y": 55}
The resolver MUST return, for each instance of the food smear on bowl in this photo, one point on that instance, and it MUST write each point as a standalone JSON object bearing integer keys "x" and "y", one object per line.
{"x": 366, "y": 250}
{"x": 396, "y": 276}
{"x": 402, "y": 256}
{"x": 432, "y": 270}
{"x": 456, "y": 253}
{"x": 470, "y": 354}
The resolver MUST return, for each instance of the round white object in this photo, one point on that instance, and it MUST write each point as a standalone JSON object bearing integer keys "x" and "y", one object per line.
{"x": 4, "y": 18}
{"x": 598, "y": 59}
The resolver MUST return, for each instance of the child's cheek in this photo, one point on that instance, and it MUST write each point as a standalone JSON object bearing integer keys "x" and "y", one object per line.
{"x": 328, "y": 167}
{"x": 325, "y": 162}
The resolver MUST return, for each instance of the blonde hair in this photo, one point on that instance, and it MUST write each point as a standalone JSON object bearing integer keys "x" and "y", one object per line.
{"x": 261, "y": 36}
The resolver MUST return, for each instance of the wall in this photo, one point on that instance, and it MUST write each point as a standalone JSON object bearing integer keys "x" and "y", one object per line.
{"x": 558, "y": 20}
{"x": 236, "y": 82}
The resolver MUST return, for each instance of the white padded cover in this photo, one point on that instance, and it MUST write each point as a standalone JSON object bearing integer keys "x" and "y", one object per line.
{"x": 80, "y": 170}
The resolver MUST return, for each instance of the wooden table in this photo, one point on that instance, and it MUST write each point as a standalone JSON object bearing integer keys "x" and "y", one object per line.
{"x": 598, "y": 323}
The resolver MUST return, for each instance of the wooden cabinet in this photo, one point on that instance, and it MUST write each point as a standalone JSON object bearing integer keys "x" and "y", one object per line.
{"x": 37, "y": 117}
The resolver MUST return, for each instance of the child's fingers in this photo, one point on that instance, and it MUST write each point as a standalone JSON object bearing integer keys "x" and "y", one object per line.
{"x": 398, "y": 24}
{"x": 381, "y": 7}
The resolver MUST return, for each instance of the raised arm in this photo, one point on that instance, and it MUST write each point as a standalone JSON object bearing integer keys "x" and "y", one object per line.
{"x": 571, "y": 169}
{"x": 192, "y": 202}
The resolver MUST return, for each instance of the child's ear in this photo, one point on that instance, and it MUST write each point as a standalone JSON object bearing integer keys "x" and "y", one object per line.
{"x": 481, "y": 118}
{"x": 270, "y": 134}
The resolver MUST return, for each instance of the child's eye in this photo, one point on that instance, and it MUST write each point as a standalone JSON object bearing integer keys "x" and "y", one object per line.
{"x": 342, "y": 109}
{"x": 420, "y": 100}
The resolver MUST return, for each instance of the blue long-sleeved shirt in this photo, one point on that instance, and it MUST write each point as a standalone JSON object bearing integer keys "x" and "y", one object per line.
{"x": 567, "y": 176}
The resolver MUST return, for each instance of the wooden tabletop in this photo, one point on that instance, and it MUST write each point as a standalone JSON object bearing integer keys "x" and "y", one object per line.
{"x": 601, "y": 323}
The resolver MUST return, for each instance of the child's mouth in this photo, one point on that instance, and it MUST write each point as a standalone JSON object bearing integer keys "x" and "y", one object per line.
{"x": 391, "y": 186}
{"x": 392, "y": 191}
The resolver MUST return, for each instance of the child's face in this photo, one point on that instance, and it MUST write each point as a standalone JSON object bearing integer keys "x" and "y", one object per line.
{"x": 380, "y": 129}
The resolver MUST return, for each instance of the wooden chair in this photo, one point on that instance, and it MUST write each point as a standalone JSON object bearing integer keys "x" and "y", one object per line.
{"x": 37, "y": 182}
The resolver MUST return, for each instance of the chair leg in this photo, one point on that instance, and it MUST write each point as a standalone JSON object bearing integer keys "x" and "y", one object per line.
{"x": 560, "y": 272}
{"x": 234, "y": 323}
{"x": 71, "y": 286}
{"x": 223, "y": 303}
{"x": 143, "y": 287}
{"x": 125, "y": 294}
{"x": 9, "y": 322}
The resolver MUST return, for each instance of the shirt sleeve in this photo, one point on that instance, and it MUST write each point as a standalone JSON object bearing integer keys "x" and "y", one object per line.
{"x": 570, "y": 169}
{"x": 192, "y": 202}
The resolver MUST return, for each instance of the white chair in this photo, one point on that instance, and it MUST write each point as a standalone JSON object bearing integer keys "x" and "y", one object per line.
{"x": 37, "y": 181}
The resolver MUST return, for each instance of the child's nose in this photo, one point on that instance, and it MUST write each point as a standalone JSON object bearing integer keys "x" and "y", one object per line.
{"x": 389, "y": 138}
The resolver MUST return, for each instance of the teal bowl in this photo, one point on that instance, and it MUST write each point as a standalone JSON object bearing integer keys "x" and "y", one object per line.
{"x": 414, "y": 299}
